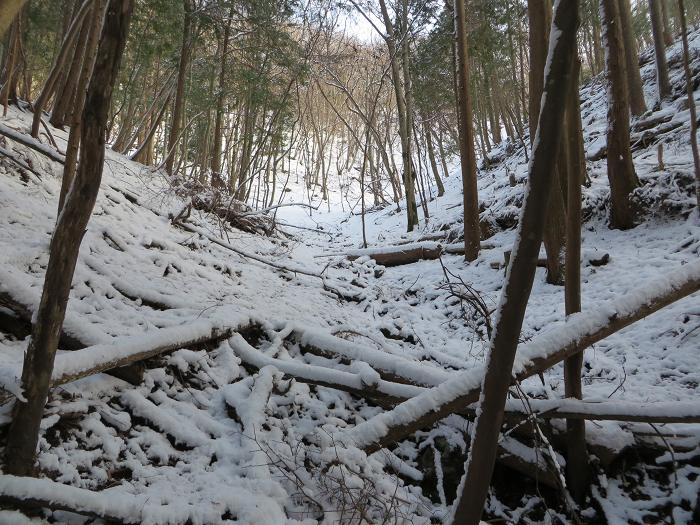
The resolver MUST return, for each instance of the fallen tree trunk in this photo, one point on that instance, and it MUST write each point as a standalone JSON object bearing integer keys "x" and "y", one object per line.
{"x": 390, "y": 367}
{"x": 578, "y": 332}
{"x": 70, "y": 366}
{"x": 570, "y": 408}
{"x": 399, "y": 255}
{"x": 32, "y": 143}
{"x": 36, "y": 493}
{"x": 364, "y": 384}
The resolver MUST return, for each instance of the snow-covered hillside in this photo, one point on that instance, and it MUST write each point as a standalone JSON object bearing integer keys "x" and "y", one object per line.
{"x": 219, "y": 433}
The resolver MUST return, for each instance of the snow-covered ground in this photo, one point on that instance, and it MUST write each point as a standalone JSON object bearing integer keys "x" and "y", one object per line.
{"x": 207, "y": 437}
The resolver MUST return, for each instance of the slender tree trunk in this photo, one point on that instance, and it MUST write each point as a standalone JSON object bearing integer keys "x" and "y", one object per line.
{"x": 539, "y": 13}
{"x": 634, "y": 80}
{"x": 577, "y": 465}
{"x": 404, "y": 130}
{"x": 9, "y": 9}
{"x": 621, "y": 174}
{"x": 668, "y": 36}
{"x": 178, "y": 108}
{"x": 539, "y": 16}
{"x": 472, "y": 233}
{"x": 58, "y": 65}
{"x": 521, "y": 271}
{"x": 69, "y": 82}
{"x": 218, "y": 126}
{"x": 72, "y": 148}
{"x": 691, "y": 100}
{"x": 662, "y": 83}
{"x": 65, "y": 244}
{"x": 431, "y": 158}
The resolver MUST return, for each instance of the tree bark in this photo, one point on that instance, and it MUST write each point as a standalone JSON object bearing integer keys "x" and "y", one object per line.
{"x": 691, "y": 101}
{"x": 638, "y": 105}
{"x": 470, "y": 196}
{"x": 57, "y": 68}
{"x": 73, "y": 145}
{"x": 431, "y": 157}
{"x": 539, "y": 14}
{"x": 65, "y": 244}
{"x": 404, "y": 131}
{"x": 178, "y": 108}
{"x": 218, "y": 125}
{"x": 577, "y": 467}
{"x": 662, "y": 83}
{"x": 521, "y": 271}
{"x": 69, "y": 80}
{"x": 621, "y": 174}
{"x": 9, "y": 9}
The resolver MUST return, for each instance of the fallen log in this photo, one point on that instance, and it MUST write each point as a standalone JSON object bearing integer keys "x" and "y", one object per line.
{"x": 570, "y": 408}
{"x": 19, "y": 323}
{"x": 390, "y": 367}
{"x": 578, "y": 332}
{"x": 399, "y": 255}
{"x": 364, "y": 384}
{"x": 38, "y": 493}
{"x": 70, "y": 366}
{"x": 32, "y": 143}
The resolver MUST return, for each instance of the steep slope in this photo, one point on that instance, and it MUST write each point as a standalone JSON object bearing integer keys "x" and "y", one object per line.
{"x": 219, "y": 433}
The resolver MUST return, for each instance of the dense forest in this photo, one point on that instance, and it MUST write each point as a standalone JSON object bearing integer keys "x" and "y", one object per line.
{"x": 349, "y": 261}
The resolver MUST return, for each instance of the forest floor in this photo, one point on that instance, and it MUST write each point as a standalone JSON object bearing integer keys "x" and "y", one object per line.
{"x": 218, "y": 433}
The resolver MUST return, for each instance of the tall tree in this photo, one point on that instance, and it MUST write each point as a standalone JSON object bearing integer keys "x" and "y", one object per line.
{"x": 577, "y": 465}
{"x": 404, "y": 131}
{"x": 540, "y": 15}
{"x": 634, "y": 79}
{"x": 662, "y": 83}
{"x": 65, "y": 244}
{"x": 178, "y": 107}
{"x": 521, "y": 270}
{"x": 8, "y": 11}
{"x": 621, "y": 174}
{"x": 691, "y": 100}
{"x": 466, "y": 138}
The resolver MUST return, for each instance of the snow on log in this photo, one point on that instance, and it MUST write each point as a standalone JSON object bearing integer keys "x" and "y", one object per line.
{"x": 576, "y": 333}
{"x": 182, "y": 430}
{"x": 17, "y": 295}
{"x": 606, "y": 410}
{"x": 69, "y": 366}
{"x": 364, "y": 384}
{"x": 391, "y": 367}
{"x": 108, "y": 504}
{"x": 398, "y": 255}
{"x": 32, "y": 143}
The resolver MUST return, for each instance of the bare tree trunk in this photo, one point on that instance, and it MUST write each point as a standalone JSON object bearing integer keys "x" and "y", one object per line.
{"x": 73, "y": 145}
{"x": 178, "y": 108}
{"x": 668, "y": 37}
{"x": 691, "y": 100}
{"x": 472, "y": 233}
{"x": 65, "y": 244}
{"x": 404, "y": 130}
{"x": 8, "y": 11}
{"x": 577, "y": 466}
{"x": 58, "y": 64}
{"x": 657, "y": 29}
{"x": 218, "y": 126}
{"x": 621, "y": 174}
{"x": 431, "y": 158}
{"x": 68, "y": 83}
{"x": 521, "y": 270}
{"x": 539, "y": 13}
{"x": 634, "y": 80}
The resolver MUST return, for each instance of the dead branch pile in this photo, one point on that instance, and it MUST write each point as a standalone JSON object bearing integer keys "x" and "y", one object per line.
{"x": 219, "y": 202}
